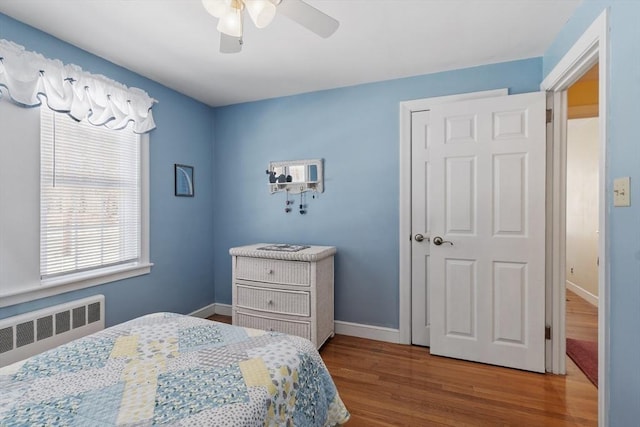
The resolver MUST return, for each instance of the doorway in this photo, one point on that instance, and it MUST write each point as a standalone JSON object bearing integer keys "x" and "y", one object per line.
{"x": 590, "y": 48}
{"x": 582, "y": 222}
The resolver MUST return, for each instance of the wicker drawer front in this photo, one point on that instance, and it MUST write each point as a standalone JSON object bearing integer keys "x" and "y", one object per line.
{"x": 275, "y": 301}
{"x": 301, "y": 329}
{"x": 273, "y": 271}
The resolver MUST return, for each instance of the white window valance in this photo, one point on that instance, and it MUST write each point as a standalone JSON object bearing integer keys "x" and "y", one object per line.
{"x": 28, "y": 77}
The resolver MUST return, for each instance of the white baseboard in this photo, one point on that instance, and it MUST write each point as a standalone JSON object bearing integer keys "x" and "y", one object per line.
{"x": 204, "y": 312}
{"x": 377, "y": 333}
{"x": 223, "y": 309}
{"x": 211, "y": 309}
{"x": 582, "y": 293}
{"x": 367, "y": 331}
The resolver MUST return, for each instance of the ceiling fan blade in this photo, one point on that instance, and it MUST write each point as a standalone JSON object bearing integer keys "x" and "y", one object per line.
{"x": 309, "y": 17}
{"x": 230, "y": 44}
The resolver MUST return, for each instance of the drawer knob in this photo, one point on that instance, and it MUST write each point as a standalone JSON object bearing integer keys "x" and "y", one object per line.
{"x": 270, "y": 302}
{"x": 271, "y": 271}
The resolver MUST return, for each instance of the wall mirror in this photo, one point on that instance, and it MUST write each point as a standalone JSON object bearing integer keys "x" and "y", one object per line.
{"x": 296, "y": 176}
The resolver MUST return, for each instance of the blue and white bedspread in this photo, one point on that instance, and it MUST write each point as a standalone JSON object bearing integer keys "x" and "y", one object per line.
{"x": 169, "y": 369}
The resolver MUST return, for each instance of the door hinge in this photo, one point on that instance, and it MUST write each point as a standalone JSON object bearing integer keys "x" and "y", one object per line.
{"x": 549, "y": 115}
{"x": 547, "y": 332}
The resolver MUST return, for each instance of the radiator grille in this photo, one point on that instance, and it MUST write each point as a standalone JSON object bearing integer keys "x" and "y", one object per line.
{"x": 94, "y": 312}
{"x": 6, "y": 339}
{"x": 24, "y": 333}
{"x": 44, "y": 327}
{"x": 31, "y": 333}
{"x": 79, "y": 317}
{"x": 63, "y": 321}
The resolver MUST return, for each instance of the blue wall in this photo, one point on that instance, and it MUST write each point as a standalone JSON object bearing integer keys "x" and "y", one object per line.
{"x": 623, "y": 159}
{"x": 181, "y": 228}
{"x": 356, "y": 131}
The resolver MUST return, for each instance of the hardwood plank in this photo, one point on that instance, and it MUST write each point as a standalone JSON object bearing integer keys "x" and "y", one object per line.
{"x": 582, "y": 318}
{"x": 384, "y": 384}
{"x": 220, "y": 318}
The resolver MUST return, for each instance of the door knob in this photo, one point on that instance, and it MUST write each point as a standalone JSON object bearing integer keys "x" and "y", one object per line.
{"x": 419, "y": 238}
{"x": 438, "y": 241}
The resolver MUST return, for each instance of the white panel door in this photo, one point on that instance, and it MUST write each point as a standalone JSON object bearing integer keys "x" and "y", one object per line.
{"x": 420, "y": 216}
{"x": 420, "y": 185}
{"x": 486, "y": 261}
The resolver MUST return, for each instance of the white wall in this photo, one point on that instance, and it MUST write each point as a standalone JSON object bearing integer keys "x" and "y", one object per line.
{"x": 582, "y": 207}
{"x": 19, "y": 196}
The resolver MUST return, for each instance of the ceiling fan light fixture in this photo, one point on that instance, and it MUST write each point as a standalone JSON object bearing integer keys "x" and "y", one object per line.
{"x": 231, "y": 22}
{"x": 230, "y": 14}
{"x": 217, "y": 8}
{"x": 261, "y": 12}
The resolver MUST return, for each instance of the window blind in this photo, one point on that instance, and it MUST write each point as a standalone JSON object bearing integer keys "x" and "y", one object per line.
{"x": 89, "y": 196}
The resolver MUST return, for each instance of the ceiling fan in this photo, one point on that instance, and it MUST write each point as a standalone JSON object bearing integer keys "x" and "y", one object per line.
{"x": 230, "y": 18}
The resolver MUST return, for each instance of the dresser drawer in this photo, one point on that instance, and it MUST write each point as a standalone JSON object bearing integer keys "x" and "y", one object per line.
{"x": 300, "y": 329}
{"x": 297, "y": 303}
{"x": 272, "y": 271}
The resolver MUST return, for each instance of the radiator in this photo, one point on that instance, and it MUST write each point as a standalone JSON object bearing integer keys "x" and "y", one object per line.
{"x": 31, "y": 333}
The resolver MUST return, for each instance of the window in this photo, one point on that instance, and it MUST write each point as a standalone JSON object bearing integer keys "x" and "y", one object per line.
{"x": 77, "y": 213}
{"x": 24, "y": 274}
{"x": 89, "y": 196}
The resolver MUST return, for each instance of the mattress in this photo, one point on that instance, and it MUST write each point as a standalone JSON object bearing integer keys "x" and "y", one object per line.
{"x": 170, "y": 369}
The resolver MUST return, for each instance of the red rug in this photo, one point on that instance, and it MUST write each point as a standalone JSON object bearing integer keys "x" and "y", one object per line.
{"x": 585, "y": 355}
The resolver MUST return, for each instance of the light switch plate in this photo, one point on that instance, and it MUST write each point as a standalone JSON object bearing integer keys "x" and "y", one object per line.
{"x": 621, "y": 191}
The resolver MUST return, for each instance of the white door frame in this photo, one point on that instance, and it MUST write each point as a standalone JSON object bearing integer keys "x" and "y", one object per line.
{"x": 406, "y": 108}
{"x": 589, "y": 49}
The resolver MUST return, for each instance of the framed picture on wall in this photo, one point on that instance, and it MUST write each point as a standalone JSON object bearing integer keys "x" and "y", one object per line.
{"x": 183, "y": 180}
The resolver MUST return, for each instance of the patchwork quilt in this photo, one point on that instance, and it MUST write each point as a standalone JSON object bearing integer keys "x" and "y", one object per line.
{"x": 169, "y": 369}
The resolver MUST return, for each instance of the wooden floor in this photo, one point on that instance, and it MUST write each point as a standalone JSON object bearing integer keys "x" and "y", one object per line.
{"x": 582, "y": 319}
{"x": 385, "y": 384}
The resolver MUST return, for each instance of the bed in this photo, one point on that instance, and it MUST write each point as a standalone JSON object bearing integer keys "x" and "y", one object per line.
{"x": 170, "y": 369}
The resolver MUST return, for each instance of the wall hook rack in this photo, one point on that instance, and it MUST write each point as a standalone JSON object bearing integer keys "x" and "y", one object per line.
{"x": 296, "y": 176}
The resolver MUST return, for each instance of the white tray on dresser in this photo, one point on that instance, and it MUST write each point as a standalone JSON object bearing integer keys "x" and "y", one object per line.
{"x": 290, "y": 292}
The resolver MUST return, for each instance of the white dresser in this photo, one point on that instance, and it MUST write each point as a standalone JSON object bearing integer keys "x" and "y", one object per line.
{"x": 290, "y": 292}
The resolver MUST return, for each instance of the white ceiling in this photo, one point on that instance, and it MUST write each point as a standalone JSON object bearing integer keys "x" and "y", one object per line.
{"x": 175, "y": 42}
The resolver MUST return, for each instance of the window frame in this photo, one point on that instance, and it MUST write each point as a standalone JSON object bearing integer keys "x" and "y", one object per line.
{"x": 80, "y": 280}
